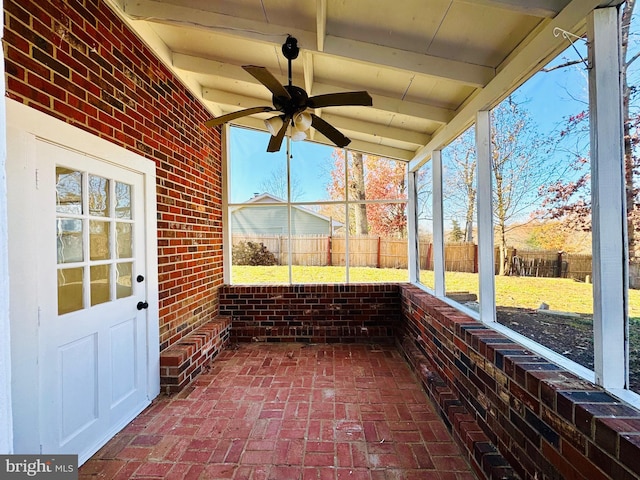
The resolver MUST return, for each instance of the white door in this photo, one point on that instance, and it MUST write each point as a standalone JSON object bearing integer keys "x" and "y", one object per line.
{"x": 92, "y": 299}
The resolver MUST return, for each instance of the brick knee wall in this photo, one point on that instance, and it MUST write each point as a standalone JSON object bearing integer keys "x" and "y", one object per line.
{"x": 483, "y": 455}
{"x": 184, "y": 360}
{"x": 503, "y": 402}
{"x": 312, "y": 313}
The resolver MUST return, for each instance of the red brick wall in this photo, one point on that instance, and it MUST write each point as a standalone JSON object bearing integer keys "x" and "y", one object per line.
{"x": 312, "y": 313}
{"x": 503, "y": 402}
{"x": 77, "y": 61}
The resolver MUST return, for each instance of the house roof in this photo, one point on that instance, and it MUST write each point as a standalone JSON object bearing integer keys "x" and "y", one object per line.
{"x": 271, "y": 199}
{"x": 428, "y": 64}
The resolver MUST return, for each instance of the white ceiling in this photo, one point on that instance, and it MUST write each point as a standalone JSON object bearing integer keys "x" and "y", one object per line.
{"x": 428, "y": 64}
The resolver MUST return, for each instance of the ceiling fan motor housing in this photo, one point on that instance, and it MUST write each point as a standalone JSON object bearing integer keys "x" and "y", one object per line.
{"x": 290, "y": 106}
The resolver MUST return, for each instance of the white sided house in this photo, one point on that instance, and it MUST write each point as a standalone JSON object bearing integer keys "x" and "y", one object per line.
{"x": 266, "y": 214}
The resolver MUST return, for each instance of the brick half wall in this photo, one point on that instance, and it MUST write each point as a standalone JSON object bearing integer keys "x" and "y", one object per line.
{"x": 511, "y": 410}
{"x": 312, "y": 313}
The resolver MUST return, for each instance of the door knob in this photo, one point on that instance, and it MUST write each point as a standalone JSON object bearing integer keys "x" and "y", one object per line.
{"x": 142, "y": 305}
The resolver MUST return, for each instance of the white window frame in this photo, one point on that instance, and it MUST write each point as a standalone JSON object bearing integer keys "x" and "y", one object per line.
{"x": 610, "y": 264}
{"x": 228, "y": 206}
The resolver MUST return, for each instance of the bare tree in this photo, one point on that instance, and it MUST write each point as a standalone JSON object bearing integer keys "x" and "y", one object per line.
{"x": 519, "y": 169}
{"x": 460, "y": 181}
{"x": 276, "y": 185}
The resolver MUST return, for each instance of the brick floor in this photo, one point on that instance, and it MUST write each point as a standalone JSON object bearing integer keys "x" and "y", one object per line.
{"x": 285, "y": 412}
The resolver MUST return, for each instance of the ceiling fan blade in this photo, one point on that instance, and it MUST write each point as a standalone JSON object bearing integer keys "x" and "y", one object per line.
{"x": 215, "y": 121}
{"x": 266, "y": 78}
{"x": 339, "y": 99}
{"x": 276, "y": 140}
{"x": 329, "y": 131}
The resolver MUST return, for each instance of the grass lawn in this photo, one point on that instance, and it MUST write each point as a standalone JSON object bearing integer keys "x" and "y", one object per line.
{"x": 560, "y": 294}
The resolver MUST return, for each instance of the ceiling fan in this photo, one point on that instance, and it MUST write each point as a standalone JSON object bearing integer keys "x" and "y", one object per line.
{"x": 292, "y": 102}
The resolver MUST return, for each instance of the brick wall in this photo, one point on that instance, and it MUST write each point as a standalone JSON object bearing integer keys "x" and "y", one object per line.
{"x": 312, "y": 313}
{"x": 181, "y": 363}
{"x": 78, "y": 62}
{"x": 511, "y": 409}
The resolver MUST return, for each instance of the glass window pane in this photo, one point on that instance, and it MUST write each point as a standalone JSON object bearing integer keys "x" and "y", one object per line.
{"x": 259, "y": 244}
{"x": 541, "y": 201}
{"x": 424, "y": 187}
{"x": 100, "y": 284}
{"x": 98, "y": 196}
{"x": 123, "y": 200}
{"x": 317, "y": 172}
{"x": 124, "y": 287}
{"x": 99, "y": 240}
{"x": 254, "y": 174}
{"x": 69, "y": 240}
{"x": 124, "y": 240}
{"x": 459, "y": 187}
{"x": 380, "y": 256}
{"x": 631, "y": 116}
{"x": 314, "y": 229}
{"x": 370, "y": 177}
{"x": 70, "y": 290}
{"x": 68, "y": 191}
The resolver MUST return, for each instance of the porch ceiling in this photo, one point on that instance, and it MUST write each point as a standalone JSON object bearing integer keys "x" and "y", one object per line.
{"x": 428, "y": 64}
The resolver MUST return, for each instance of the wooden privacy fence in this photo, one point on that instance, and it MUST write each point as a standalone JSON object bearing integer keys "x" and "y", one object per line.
{"x": 547, "y": 263}
{"x": 384, "y": 252}
{"x": 323, "y": 250}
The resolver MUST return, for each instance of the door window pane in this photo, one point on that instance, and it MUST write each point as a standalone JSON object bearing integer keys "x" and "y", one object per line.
{"x": 69, "y": 233}
{"x": 124, "y": 240}
{"x": 70, "y": 290}
{"x": 100, "y": 244}
{"x": 123, "y": 200}
{"x": 124, "y": 287}
{"x": 68, "y": 191}
{"x": 100, "y": 284}
{"x": 98, "y": 196}
{"x": 99, "y": 240}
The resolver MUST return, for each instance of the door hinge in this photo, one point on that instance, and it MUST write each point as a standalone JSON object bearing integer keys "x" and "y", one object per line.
{"x": 37, "y": 179}
{"x": 39, "y": 314}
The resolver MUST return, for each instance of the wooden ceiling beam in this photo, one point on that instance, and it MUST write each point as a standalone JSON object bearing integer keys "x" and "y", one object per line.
{"x": 536, "y": 8}
{"x": 340, "y": 48}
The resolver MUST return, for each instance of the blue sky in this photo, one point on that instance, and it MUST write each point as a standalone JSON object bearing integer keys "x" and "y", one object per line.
{"x": 251, "y": 164}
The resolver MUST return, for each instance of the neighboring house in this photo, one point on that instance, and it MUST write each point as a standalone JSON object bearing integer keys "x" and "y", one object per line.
{"x": 259, "y": 216}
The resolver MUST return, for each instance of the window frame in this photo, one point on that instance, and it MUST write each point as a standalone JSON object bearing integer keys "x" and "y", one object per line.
{"x": 289, "y": 204}
{"x": 610, "y": 279}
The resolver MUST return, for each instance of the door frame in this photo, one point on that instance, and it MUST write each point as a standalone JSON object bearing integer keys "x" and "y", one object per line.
{"x": 25, "y": 127}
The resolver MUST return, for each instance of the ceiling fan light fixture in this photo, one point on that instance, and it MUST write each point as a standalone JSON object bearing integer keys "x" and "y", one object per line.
{"x": 298, "y": 135}
{"x": 302, "y": 121}
{"x": 273, "y": 124}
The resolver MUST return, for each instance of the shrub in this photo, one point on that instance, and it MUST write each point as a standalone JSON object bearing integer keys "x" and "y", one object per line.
{"x": 252, "y": 253}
